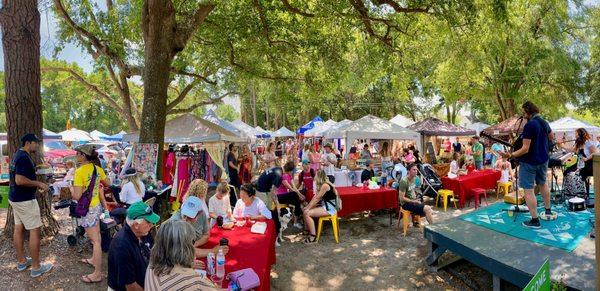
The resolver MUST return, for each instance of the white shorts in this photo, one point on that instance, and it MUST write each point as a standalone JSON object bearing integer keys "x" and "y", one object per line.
{"x": 27, "y": 213}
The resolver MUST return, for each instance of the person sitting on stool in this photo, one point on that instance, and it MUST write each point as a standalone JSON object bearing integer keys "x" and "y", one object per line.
{"x": 367, "y": 173}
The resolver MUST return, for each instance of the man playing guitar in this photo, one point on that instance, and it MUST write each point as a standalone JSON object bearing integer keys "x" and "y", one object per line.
{"x": 533, "y": 157}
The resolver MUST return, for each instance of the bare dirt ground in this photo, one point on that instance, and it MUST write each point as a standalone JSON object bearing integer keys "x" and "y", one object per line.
{"x": 370, "y": 255}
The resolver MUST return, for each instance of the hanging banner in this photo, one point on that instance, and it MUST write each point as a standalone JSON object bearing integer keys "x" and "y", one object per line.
{"x": 145, "y": 158}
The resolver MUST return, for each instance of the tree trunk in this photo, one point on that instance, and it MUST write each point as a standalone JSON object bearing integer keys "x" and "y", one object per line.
{"x": 253, "y": 106}
{"x": 20, "y": 22}
{"x": 266, "y": 113}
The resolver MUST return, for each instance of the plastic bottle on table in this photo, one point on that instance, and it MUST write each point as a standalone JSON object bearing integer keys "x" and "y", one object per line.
{"x": 220, "y": 264}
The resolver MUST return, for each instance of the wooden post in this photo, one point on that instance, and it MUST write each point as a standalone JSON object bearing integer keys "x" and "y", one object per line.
{"x": 597, "y": 214}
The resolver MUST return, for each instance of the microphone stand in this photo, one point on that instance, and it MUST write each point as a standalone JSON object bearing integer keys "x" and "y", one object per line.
{"x": 515, "y": 209}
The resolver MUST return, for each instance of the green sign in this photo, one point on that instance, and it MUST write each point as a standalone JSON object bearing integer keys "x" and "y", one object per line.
{"x": 541, "y": 280}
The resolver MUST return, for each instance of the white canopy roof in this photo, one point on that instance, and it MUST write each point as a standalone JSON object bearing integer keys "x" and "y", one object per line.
{"x": 283, "y": 132}
{"x": 211, "y": 116}
{"x": 75, "y": 134}
{"x": 320, "y": 128}
{"x": 372, "y": 127}
{"x": 98, "y": 135}
{"x": 260, "y": 130}
{"x": 569, "y": 125}
{"x": 248, "y": 130}
{"x": 402, "y": 120}
{"x": 188, "y": 128}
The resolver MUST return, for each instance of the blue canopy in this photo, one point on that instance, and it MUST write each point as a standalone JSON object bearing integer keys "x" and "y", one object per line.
{"x": 309, "y": 125}
{"x": 115, "y": 137}
{"x": 50, "y": 135}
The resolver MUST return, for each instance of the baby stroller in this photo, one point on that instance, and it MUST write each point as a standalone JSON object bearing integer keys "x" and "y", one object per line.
{"x": 431, "y": 182}
{"x": 77, "y": 238}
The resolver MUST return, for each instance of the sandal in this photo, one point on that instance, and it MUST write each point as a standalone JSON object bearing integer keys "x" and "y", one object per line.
{"x": 87, "y": 279}
{"x": 87, "y": 262}
{"x": 311, "y": 239}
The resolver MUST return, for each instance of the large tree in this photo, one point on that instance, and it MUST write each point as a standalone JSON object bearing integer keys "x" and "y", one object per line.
{"x": 20, "y": 22}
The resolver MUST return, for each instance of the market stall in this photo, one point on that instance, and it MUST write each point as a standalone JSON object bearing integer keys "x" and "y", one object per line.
{"x": 116, "y": 137}
{"x": 75, "y": 135}
{"x": 211, "y": 116}
{"x": 506, "y": 129}
{"x": 566, "y": 127}
{"x": 283, "y": 132}
{"x": 98, "y": 135}
{"x": 311, "y": 124}
{"x": 318, "y": 130}
{"x": 249, "y": 130}
{"x": 433, "y": 127}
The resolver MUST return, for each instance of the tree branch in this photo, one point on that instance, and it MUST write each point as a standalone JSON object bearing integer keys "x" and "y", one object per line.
{"x": 290, "y": 8}
{"x": 233, "y": 63}
{"x": 187, "y": 28}
{"x": 399, "y": 9}
{"x": 77, "y": 77}
{"x": 195, "y": 75}
{"x": 182, "y": 95}
{"x": 202, "y": 103}
{"x": 359, "y": 6}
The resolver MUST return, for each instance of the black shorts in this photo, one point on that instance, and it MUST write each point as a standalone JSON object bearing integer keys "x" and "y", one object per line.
{"x": 415, "y": 208}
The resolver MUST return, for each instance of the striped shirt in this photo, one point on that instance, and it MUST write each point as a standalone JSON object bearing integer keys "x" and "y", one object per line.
{"x": 178, "y": 279}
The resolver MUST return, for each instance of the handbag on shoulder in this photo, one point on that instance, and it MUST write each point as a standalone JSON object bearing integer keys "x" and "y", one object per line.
{"x": 83, "y": 204}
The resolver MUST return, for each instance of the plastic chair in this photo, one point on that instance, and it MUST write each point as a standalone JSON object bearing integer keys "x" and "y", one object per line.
{"x": 444, "y": 194}
{"x": 334, "y": 223}
{"x": 504, "y": 186}
{"x": 477, "y": 193}
{"x": 404, "y": 216}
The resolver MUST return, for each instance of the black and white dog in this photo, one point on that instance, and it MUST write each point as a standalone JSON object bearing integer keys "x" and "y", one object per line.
{"x": 285, "y": 216}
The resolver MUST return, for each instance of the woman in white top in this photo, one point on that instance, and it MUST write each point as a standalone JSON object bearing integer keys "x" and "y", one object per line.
{"x": 454, "y": 167}
{"x": 133, "y": 189}
{"x": 218, "y": 204}
{"x": 67, "y": 180}
{"x": 249, "y": 206}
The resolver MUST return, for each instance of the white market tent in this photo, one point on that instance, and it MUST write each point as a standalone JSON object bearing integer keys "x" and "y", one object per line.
{"x": 283, "y": 132}
{"x": 262, "y": 131}
{"x": 402, "y": 120}
{"x": 98, "y": 135}
{"x": 319, "y": 128}
{"x": 372, "y": 127}
{"x": 188, "y": 128}
{"x": 248, "y": 130}
{"x": 76, "y": 135}
{"x": 211, "y": 116}
{"x": 568, "y": 125}
{"x": 477, "y": 126}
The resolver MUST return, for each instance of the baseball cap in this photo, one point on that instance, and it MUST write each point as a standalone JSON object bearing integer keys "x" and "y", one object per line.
{"x": 191, "y": 206}
{"x": 305, "y": 162}
{"x": 29, "y": 137}
{"x": 142, "y": 210}
{"x": 86, "y": 149}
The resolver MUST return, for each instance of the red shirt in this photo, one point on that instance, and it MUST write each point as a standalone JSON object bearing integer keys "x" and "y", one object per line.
{"x": 307, "y": 180}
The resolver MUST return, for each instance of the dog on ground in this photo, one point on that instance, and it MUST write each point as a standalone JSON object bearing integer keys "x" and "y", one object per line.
{"x": 285, "y": 216}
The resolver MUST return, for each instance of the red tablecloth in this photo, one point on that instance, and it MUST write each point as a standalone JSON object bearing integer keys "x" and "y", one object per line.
{"x": 247, "y": 250}
{"x": 462, "y": 185}
{"x": 356, "y": 199}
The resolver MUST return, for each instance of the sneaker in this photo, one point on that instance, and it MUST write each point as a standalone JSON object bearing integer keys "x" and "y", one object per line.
{"x": 298, "y": 225}
{"x": 531, "y": 224}
{"x": 44, "y": 268}
{"x": 22, "y": 267}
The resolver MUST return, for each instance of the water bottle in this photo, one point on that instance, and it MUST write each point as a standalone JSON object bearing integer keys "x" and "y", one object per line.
{"x": 220, "y": 264}
{"x": 210, "y": 264}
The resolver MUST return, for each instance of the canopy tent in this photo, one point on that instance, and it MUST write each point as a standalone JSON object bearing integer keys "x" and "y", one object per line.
{"x": 188, "y": 128}
{"x": 75, "y": 134}
{"x": 568, "y": 125}
{"x": 98, "y": 135}
{"x": 116, "y": 137}
{"x": 263, "y": 131}
{"x": 435, "y": 127}
{"x": 211, "y": 116}
{"x": 249, "y": 130}
{"x": 372, "y": 127}
{"x": 283, "y": 132}
{"x": 513, "y": 125}
{"x": 47, "y": 135}
{"x": 311, "y": 124}
{"x": 319, "y": 128}
{"x": 402, "y": 120}
{"x": 477, "y": 126}
{"x": 335, "y": 127}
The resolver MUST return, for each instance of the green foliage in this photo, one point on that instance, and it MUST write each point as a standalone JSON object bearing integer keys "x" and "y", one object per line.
{"x": 227, "y": 112}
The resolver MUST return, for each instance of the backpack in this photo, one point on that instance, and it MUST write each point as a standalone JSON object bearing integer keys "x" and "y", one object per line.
{"x": 83, "y": 204}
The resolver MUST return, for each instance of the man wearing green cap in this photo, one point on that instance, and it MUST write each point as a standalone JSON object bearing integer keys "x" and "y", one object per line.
{"x": 129, "y": 252}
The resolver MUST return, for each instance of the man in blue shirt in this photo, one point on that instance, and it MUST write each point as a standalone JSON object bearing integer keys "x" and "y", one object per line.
{"x": 26, "y": 211}
{"x": 533, "y": 157}
{"x": 129, "y": 252}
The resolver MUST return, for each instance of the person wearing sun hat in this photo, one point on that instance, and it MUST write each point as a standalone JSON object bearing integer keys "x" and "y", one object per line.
{"x": 129, "y": 252}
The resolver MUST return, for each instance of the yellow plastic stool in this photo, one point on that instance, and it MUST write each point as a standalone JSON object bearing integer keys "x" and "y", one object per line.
{"x": 405, "y": 216}
{"x": 444, "y": 194}
{"x": 504, "y": 186}
{"x": 334, "y": 223}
